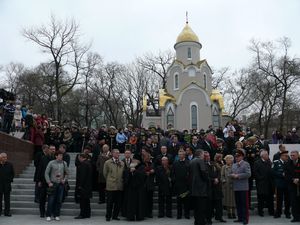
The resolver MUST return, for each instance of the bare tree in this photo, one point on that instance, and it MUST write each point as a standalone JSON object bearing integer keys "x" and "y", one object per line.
{"x": 157, "y": 64}
{"x": 237, "y": 92}
{"x": 219, "y": 78}
{"x": 12, "y": 72}
{"x": 273, "y": 59}
{"x": 60, "y": 40}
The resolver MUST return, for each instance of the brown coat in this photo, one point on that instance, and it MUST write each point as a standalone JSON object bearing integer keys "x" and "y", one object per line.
{"x": 227, "y": 186}
{"x": 113, "y": 174}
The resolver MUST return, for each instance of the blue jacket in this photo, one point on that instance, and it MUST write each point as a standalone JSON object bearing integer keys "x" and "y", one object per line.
{"x": 243, "y": 170}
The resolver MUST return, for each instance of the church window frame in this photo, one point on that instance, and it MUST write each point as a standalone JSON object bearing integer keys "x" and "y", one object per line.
{"x": 176, "y": 81}
{"x": 205, "y": 80}
{"x": 189, "y": 53}
{"x": 194, "y": 120}
{"x": 170, "y": 117}
{"x": 216, "y": 117}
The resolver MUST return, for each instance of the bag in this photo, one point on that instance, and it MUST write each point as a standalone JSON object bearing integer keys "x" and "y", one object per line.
{"x": 51, "y": 190}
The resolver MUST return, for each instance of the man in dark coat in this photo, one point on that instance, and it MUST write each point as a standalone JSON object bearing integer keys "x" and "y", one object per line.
{"x": 195, "y": 143}
{"x": 84, "y": 186}
{"x": 134, "y": 179}
{"x": 264, "y": 183}
{"x": 163, "y": 153}
{"x": 215, "y": 194}
{"x": 180, "y": 178}
{"x": 281, "y": 185}
{"x": 293, "y": 178}
{"x": 199, "y": 186}
{"x": 174, "y": 146}
{"x": 40, "y": 178}
{"x": 163, "y": 178}
{"x": 7, "y": 175}
{"x": 37, "y": 160}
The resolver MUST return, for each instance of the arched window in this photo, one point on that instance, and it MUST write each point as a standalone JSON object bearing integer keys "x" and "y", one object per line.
{"x": 189, "y": 53}
{"x": 176, "y": 81}
{"x": 194, "y": 116}
{"x": 170, "y": 118}
{"x": 216, "y": 117}
{"x": 205, "y": 80}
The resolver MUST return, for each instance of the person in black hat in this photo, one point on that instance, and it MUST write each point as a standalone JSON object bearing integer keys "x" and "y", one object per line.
{"x": 134, "y": 180}
{"x": 281, "y": 185}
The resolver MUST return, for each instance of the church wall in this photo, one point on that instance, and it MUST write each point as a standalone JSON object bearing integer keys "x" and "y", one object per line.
{"x": 186, "y": 79}
{"x": 183, "y": 111}
{"x": 182, "y": 52}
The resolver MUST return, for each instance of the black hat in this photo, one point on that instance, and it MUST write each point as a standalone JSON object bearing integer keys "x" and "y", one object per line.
{"x": 284, "y": 152}
{"x": 240, "y": 152}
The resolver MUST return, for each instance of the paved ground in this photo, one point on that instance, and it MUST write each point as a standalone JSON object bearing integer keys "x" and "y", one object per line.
{"x": 66, "y": 220}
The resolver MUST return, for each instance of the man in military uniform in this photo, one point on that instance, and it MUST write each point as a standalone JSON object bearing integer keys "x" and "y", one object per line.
{"x": 281, "y": 185}
{"x": 252, "y": 154}
{"x": 293, "y": 179}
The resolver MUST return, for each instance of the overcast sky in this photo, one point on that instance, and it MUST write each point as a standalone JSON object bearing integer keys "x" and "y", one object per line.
{"x": 120, "y": 30}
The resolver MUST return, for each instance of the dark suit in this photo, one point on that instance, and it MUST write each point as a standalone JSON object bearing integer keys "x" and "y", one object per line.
{"x": 199, "y": 189}
{"x": 173, "y": 148}
{"x": 292, "y": 171}
{"x": 84, "y": 186}
{"x": 158, "y": 159}
{"x": 264, "y": 185}
{"x": 180, "y": 180}
{"x": 281, "y": 185}
{"x": 7, "y": 175}
{"x": 163, "y": 178}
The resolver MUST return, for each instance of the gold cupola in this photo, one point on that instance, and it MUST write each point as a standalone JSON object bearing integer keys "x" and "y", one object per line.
{"x": 216, "y": 96}
{"x": 187, "y": 35}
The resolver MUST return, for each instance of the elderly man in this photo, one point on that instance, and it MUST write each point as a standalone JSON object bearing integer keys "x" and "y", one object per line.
{"x": 7, "y": 175}
{"x": 264, "y": 183}
{"x": 113, "y": 173}
{"x": 241, "y": 172}
{"x": 293, "y": 177}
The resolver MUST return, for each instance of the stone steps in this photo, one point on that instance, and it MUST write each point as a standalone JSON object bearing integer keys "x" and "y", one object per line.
{"x": 22, "y": 195}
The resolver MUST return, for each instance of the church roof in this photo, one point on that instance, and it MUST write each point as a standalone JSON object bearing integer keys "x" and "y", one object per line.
{"x": 186, "y": 35}
{"x": 216, "y": 96}
{"x": 164, "y": 96}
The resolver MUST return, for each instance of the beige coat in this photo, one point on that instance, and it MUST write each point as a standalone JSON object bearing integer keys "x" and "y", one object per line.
{"x": 227, "y": 186}
{"x": 113, "y": 174}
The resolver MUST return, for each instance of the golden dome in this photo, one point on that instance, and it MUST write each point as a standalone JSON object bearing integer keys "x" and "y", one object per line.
{"x": 164, "y": 96}
{"x": 216, "y": 96}
{"x": 187, "y": 34}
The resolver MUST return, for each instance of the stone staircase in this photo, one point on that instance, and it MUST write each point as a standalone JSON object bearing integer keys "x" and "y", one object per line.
{"x": 22, "y": 195}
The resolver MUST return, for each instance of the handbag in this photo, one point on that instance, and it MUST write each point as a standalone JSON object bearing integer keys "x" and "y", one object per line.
{"x": 51, "y": 190}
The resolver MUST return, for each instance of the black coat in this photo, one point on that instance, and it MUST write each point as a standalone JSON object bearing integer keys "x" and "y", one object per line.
{"x": 163, "y": 180}
{"x": 215, "y": 190}
{"x": 84, "y": 179}
{"x": 263, "y": 177}
{"x": 158, "y": 159}
{"x": 199, "y": 178}
{"x": 37, "y": 160}
{"x": 7, "y": 175}
{"x": 40, "y": 176}
{"x": 292, "y": 171}
{"x": 180, "y": 177}
{"x": 135, "y": 192}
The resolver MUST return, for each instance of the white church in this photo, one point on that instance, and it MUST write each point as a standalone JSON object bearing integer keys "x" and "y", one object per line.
{"x": 188, "y": 102}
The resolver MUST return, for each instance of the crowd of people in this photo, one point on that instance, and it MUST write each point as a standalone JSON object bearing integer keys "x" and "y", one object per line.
{"x": 205, "y": 171}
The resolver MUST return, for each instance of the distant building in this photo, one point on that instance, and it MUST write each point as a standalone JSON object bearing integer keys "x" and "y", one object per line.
{"x": 188, "y": 102}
